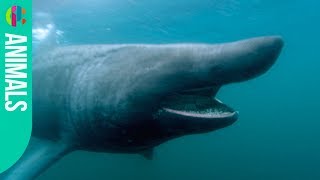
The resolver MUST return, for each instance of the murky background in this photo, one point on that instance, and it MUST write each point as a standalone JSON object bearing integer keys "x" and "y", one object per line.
{"x": 278, "y": 133}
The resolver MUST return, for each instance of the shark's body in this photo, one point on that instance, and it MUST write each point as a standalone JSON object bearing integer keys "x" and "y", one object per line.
{"x": 131, "y": 98}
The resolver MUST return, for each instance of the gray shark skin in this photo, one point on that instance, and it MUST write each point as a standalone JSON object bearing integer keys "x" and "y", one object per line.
{"x": 131, "y": 98}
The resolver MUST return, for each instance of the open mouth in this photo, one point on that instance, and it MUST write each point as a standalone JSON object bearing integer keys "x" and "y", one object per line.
{"x": 197, "y": 103}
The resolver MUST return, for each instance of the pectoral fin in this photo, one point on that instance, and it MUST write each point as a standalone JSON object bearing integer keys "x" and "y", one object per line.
{"x": 40, "y": 155}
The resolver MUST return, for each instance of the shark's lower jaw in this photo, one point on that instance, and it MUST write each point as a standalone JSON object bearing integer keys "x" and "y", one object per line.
{"x": 197, "y": 106}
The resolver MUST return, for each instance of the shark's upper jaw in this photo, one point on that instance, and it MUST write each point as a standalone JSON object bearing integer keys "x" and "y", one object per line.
{"x": 210, "y": 113}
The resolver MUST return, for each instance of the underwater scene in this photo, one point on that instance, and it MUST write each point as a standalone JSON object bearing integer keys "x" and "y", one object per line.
{"x": 277, "y": 132}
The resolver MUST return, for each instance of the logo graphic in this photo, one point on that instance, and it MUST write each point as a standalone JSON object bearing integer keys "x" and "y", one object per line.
{"x": 14, "y": 15}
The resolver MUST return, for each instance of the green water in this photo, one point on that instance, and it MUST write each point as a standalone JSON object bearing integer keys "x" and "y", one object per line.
{"x": 277, "y": 134}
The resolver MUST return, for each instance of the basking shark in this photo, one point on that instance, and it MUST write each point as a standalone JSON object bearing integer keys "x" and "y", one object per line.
{"x": 131, "y": 98}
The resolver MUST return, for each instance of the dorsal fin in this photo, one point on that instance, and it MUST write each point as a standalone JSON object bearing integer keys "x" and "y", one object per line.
{"x": 148, "y": 153}
{"x": 40, "y": 154}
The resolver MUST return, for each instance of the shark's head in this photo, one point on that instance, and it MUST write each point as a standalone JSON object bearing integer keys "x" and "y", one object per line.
{"x": 187, "y": 83}
{"x": 195, "y": 109}
{"x": 160, "y": 92}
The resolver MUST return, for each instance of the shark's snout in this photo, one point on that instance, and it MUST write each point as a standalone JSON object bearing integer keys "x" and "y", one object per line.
{"x": 274, "y": 41}
{"x": 262, "y": 54}
{"x": 246, "y": 59}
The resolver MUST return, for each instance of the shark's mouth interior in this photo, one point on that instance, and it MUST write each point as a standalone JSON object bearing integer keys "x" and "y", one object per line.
{"x": 197, "y": 105}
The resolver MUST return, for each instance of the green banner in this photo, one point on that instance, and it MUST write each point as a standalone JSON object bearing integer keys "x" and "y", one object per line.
{"x": 16, "y": 79}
